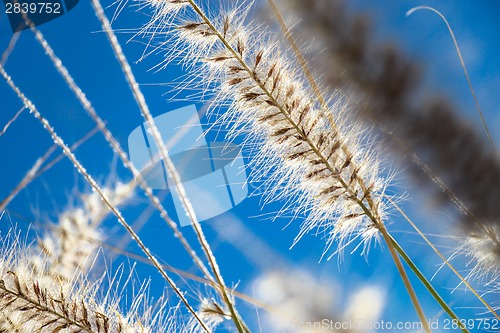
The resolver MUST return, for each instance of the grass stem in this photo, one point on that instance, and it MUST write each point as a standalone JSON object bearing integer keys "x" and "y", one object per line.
{"x": 427, "y": 284}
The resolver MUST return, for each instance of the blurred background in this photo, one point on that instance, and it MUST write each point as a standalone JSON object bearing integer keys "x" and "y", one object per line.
{"x": 254, "y": 250}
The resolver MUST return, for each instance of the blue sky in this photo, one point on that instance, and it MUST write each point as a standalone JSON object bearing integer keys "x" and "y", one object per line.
{"x": 77, "y": 39}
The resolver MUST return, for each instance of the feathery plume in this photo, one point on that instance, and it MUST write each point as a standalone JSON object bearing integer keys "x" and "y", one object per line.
{"x": 330, "y": 167}
{"x": 212, "y": 313}
{"x": 32, "y": 303}
{"x": 167, "y": 162}
{"x": 483, "y": 246}
{"x": 71, "y": 245}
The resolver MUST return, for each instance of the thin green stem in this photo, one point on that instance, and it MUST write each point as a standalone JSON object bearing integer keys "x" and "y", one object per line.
{"x": 404, "y": 277}
{"x": 427, "y": 284}
{"x": 446, "y": 261}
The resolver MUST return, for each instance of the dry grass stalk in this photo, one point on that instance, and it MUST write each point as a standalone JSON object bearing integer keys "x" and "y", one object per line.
{"x": 87, "y": 105}
{"x": 76, "y": 163}
{"x": 172, "y": 172}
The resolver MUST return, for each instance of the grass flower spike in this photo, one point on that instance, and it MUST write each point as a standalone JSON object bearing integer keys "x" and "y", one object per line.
{"x": 30, "y": 305}
{"x": 45, "y": 288}
{"x": 330, "y": 168}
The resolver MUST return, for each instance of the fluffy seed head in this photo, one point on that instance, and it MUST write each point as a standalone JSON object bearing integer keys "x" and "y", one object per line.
{"x": 71, "y": 245}
{"x": 32, "y": 303}
{"x": 483, "y": 244}
{"x": 311, "y": 154}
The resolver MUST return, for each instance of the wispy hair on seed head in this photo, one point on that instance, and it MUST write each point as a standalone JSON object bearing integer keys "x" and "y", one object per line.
{"x": 324, "y": 171}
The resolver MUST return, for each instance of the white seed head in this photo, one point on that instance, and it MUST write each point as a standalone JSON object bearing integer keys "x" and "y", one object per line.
{"x": 322, "y": 164}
